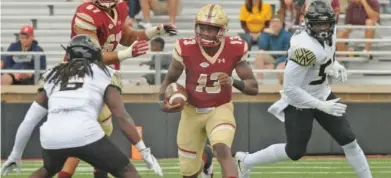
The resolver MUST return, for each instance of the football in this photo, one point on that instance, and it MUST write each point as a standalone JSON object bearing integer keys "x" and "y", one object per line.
{"x": 176, "y": 94}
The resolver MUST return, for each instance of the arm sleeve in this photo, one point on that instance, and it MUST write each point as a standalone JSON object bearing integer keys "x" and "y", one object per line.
{"x": 33, "y": 117}
{"x": 293, "y": 78}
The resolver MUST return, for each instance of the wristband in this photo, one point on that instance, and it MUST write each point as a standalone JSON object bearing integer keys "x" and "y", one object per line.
{"x": 124, "y": 54}
{"x": 151, "y": 32}
{"x": 140, "y": 145}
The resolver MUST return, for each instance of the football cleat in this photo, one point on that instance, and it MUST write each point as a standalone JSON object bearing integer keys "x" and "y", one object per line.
{"x": 243, "y": 170}
{"x": 207, "y": 158}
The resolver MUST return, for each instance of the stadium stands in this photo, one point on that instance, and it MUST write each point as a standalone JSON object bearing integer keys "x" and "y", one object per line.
{"x": 52, "y": 22}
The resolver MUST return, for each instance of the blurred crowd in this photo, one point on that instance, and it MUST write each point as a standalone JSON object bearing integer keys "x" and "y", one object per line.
{"x": 264, "y": 29}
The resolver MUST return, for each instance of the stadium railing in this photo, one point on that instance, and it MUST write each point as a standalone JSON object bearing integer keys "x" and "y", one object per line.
{"x": 158, "y": 70}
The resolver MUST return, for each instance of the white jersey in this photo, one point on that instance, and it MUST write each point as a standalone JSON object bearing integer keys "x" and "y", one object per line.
{"x": 305, "y": 75}
{"x": 73, "y": 110}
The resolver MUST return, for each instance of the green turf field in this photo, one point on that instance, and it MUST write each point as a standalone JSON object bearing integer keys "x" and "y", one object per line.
{"x": 306, "y": 168}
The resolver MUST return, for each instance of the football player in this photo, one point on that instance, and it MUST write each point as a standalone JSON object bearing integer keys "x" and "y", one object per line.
{"x": 306, "y": 96}
{"x": 208, "y": 60}
{"x": 105, "y": 22}
{"x": 72, "y": 129}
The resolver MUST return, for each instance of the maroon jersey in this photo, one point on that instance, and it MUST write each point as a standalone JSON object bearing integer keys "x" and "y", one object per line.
{"x": 108, "y": 29}
{"x": 202, "y": 70}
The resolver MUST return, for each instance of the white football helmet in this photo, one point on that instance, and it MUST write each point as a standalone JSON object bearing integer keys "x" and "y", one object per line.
{"x": 106, "y": 4}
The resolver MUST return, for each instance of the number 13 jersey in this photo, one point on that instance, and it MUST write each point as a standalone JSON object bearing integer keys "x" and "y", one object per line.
{"x": 203, "y": 70}
{"x": 311, "y": 60}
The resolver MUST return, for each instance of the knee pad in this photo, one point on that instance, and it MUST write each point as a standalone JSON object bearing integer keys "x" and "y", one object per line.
{"x": 295, "y": 153}
{"x": 105, "y": 120}
{"x": 189, "y": 163}
{"x": 223, "y": 133}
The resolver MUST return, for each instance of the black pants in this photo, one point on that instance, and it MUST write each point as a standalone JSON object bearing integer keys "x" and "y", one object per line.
{"x": 102, "y": 154}
{"x": 298, "y": 128}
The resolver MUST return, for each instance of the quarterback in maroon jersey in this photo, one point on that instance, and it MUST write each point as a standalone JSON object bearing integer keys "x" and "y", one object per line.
{"x": 105, "y": 22}
{"x": 208, "y": 61}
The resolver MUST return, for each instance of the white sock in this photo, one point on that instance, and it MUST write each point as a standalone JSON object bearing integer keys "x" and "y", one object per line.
{"x": 272, "y": 154}
{"x": 357, "y": 159}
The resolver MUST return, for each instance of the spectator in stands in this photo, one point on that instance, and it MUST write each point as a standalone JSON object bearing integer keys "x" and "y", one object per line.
{"x": 273, "y": 38}
{"x": 157, "y": 44}
{"x": 360, "y": 12}
{"x": 26, "y": 42}
{"x": 134, "y": 9}
{"x": 290, "y": 13}
{"x": 253, "y": 16}
{"x": 171, "y": 8}
{"x": 336, "y": 8}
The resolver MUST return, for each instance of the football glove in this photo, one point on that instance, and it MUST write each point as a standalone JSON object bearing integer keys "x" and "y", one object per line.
{"x": 151, "y": 161}
{"x": 338, "y": 71}
{"x": 10, "y": 165}
{"x": 161, "y": 30}
{"x": 332, "y": 107}
{"x": 136, "y": 49}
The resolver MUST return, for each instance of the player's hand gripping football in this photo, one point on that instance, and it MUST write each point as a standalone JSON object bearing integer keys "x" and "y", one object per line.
{"x": 338, "y": 71}
{"x": 167, "y": 107}
{"x": 10, "y": 165}
{"x": 151, "y": 161}
{"x": 224, "y": 80}
{"x": 332, "y": 107}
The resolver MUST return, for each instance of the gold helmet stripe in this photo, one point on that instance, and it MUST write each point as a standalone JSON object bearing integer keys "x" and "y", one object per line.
{"x": 210, "y": 13}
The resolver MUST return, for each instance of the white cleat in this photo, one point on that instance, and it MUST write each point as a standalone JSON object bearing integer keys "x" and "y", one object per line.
{"x": 207, "y": 173}
{"x": 243, "y": 170}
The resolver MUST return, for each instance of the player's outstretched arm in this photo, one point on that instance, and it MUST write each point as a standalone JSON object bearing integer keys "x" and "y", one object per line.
{"x": 248, "y": 84}
{"x": 174, "y": 72}
{"x": 114, "y": 101}
{"x": 136, "y": 48}
{"x": 129, "y": 35}
{"x": 36, "y": 112}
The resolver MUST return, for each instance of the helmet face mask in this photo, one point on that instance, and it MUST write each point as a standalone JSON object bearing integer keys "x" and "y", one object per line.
{"x": 209, "y": 35}
{"x": 320, "y": 20}
{"x": 106, "y": 4}
{"x": 211, "y": 25}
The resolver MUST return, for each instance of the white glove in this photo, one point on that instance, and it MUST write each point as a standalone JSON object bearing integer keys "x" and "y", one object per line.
{"x": 10, "y": 165}
{"x": 151, "y": 161}
{"x": 161, "y": 30}
{"x": 338, "y": 71}
{"x": 332, "y": 107}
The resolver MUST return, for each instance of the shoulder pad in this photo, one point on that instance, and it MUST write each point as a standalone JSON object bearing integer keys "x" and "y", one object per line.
{"x": 85, "y": 16}
{"x": 303, "y": 57}
{"x": 116, "y": 81}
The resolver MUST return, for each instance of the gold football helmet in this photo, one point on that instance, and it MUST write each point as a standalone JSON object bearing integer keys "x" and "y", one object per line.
{"x": 211, "y": 25}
